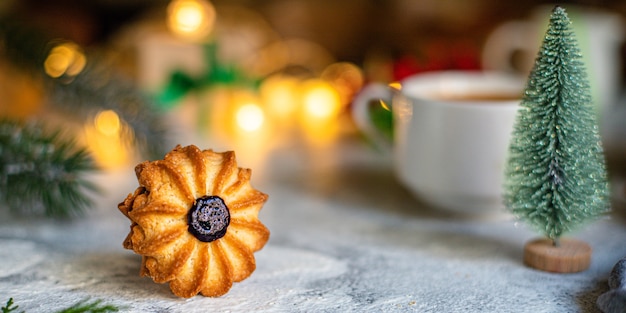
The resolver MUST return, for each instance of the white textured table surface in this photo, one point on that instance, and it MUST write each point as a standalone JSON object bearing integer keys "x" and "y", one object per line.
{"x": 345, "y": 237}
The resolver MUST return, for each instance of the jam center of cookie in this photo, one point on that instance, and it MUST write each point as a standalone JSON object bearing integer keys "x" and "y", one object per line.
{"x": 208, "y": 218}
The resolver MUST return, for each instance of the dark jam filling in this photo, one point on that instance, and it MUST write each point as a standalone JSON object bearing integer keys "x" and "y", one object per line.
{"x": 208, "y": 218}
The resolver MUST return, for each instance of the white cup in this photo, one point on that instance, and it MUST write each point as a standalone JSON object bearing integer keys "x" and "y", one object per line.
{"x": 450, "y": 142}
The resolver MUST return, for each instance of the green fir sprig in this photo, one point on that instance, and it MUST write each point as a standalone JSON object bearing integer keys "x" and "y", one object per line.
{"x": 95, "y": 306}
{"x": 42, "y": 172}
{"x": 10, "y": 307}
{"x": 84, "y": 306}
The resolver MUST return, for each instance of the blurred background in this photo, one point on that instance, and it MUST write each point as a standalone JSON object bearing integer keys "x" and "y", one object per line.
{"x": 349, "y": 30}
{"x": 122, "y": 76}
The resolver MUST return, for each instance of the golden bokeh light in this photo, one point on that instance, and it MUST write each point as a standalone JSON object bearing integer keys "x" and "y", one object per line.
{"x": 108, "y": 140}
{"x": 192, "y": 19}
{"x": 250, "y": 117}
{"x": 320, "y": 100}
{"x": 107, "y": 122}
{"x": 65, "y": 59}
{"x": 77, "y": 65}
{"x": 279, "y": 93}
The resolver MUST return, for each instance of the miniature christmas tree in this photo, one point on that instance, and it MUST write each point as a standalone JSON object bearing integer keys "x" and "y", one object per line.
{"x": 556, "y": 176}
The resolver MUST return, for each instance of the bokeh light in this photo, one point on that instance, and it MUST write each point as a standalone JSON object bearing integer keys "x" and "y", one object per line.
{"x": 192, "y": 19}
{"x": 108, "y": 140}
{"x": 107, "y": 122}
{"x": 250, "y": 117}
{"x": 320, "y": 100}
{"x": 279, "y": 93}
{"x": 65, "y": 59}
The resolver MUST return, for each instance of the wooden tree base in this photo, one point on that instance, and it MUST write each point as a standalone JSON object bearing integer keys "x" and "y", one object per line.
{"x": 570, "y": 256}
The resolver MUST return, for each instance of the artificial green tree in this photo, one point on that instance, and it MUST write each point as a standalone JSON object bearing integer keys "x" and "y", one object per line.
{"x": 556, "y": 175}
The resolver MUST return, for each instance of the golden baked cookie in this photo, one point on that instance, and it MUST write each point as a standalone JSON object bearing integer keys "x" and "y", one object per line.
{"x": 194, "y": 221}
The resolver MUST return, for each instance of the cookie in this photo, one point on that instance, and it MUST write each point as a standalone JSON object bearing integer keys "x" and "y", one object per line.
{"x": 194, "y": 221}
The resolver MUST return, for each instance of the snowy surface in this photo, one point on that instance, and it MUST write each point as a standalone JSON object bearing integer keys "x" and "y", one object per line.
{"x": 345, "y": 237}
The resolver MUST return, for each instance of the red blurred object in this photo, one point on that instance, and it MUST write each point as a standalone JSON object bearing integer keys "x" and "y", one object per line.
{"x": 438, "y": 56}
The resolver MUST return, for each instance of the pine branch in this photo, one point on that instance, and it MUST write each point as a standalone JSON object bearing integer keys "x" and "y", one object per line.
{"x": 9, "y": 307}
{"x": 90, "y": 307}
{"x": 42, "y": 172}
{"x": 83, "y": 306}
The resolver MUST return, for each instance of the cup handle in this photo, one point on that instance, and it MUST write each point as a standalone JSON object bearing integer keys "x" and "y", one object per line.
{"x": 362, "y": 113}
{"x": 502, "y": 44}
